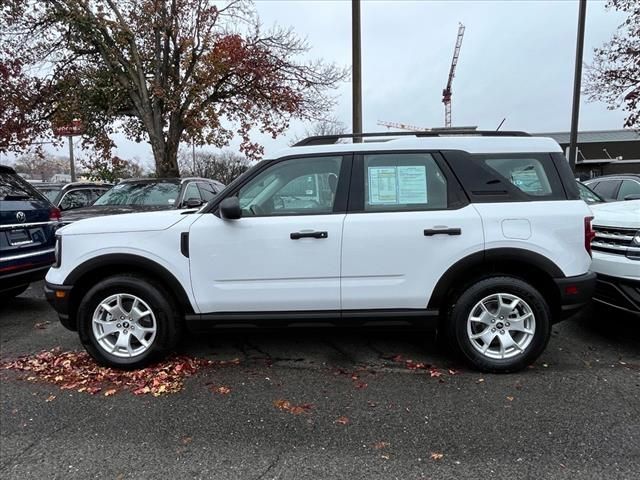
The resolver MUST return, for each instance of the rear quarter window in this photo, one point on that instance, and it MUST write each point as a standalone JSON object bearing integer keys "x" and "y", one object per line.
{"x": 512, "y": 177}
{"x": 13, "y": 187}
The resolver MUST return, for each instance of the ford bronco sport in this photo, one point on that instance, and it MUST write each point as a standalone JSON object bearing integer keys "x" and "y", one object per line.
{"x": 479, "y": 234}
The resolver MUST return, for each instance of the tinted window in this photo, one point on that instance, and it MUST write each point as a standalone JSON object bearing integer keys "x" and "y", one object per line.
{"x": 76, "y": 199}
{"x": 206, "y": 190}
{"x": 160, "y": 194}
{"x": 50, "y": 192}
{"x": 13, "y": 187}
{"x": 629, "y": 187}
{"x": 402, "y": 181}
{"x": 607, "y": 188}
{"x": 527, "y": 174}
{"x": 292, "y": 187}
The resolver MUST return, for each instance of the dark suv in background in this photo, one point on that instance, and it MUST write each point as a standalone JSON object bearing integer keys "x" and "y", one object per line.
{"x": 623, "y": 186}
{"x": 67, "y": 196}
{"x": 28, "y": 221}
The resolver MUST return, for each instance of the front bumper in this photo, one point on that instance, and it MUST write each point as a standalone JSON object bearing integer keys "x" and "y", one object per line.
{"x": 58, "y": 297}
{"x": 575, "y": 293}
{"x": 9, "y": 281}
{"x": 617, "y": 292}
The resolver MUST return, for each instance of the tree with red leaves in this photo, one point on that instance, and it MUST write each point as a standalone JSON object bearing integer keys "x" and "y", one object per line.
{"x": 166, "y": 71}
{"x": 614, "y": 77}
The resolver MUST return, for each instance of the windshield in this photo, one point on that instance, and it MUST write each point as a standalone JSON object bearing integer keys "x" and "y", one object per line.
{"x": 157, "y": 194}
{"x": 13, "y": 187}
{"x": 589, "y": 195}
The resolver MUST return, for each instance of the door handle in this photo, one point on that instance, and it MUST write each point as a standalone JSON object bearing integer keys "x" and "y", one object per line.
{"x": 299, "y": 235}
{"x": 429, "y": 232}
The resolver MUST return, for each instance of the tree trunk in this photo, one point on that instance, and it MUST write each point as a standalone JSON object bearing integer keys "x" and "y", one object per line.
{"x": 165, "y": 155}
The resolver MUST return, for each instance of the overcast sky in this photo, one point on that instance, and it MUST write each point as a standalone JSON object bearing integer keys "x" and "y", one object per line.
{"x": 516, "y": 62}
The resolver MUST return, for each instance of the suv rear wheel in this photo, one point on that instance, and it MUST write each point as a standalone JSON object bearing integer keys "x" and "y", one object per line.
{"x": 127, "y": 321}
{"x": 500, "y": 324}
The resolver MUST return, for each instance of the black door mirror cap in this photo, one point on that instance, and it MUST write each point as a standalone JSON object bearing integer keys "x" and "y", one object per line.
{"x": 193, "y": 203}
{"x": 230, "y": 208}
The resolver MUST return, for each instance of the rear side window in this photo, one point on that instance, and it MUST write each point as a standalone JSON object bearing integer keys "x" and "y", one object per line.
{"x": 13, "y": 187}
{"x": 510, "y": 177}
{"x": 629, "y": 187}
{"x": 403, "y": 181}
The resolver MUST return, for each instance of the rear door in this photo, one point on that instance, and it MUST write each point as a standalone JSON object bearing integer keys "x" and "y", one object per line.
{"x": 408, "y": 222}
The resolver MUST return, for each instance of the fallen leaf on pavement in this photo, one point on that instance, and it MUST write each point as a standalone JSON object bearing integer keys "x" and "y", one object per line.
{"x": 287, "y": 406}
{"x": 380, "y": 445}
{"x": 51, "y": 398}
{"x": 110, "y": 392}
{"x": 342, "y": 420}
{"x": 480, "y": 380}
{"x": 186, "y": 440}
{"x": 436, "y": 456}
{"x": 510, "y": 398}
{"x": 222, "y": 390}
{"x": 42, "y": 325}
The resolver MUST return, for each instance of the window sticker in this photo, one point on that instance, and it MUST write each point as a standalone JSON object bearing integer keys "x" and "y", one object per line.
{"x": 404, "y": 185}
{"x": 383, "y": 185}
{"x": 412, "y": 184}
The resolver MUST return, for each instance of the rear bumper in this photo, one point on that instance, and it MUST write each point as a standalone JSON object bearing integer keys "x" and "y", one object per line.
{"x": 620, "y": 293}
{"x": 575, "y": 293}
{"x": 9, "y": 281}
{"x": 60, "y": 303}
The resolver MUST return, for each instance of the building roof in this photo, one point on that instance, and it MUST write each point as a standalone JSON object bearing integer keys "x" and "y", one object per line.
{"x": 595, "y": 136}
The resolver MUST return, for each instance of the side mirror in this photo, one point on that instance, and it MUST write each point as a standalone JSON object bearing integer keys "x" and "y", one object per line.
{"x": 230, "y": 208}
{"x": 192, "y": 203}
{"x": 633, "y": 196}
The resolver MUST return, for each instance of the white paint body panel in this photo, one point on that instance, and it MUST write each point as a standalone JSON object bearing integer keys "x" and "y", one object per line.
{"x": 252, "y": 264}
{"x": 557, "y": 230}
{"x": 388, "y": 262}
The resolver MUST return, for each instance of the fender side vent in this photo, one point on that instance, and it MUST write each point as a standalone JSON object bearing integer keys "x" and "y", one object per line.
{"x": 184, "y": 244}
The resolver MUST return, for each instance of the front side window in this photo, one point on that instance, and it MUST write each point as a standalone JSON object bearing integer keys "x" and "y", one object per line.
{"x": 628, "y": 187}
{"x": 607, "y": 189}
{"x": 292, "y": 187}
{"x": 403, "y": 181}
{"x": 144, "y": 193}
{"x": 191, "y": 192}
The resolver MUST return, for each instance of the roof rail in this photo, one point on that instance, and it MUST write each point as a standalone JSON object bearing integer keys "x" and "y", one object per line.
{"x": 434, "y": 132}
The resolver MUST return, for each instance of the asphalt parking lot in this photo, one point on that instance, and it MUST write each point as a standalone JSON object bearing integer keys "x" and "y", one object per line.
{"x": 365, "y": 410}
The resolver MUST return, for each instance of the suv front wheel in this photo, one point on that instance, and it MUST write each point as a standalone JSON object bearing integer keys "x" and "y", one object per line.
{"x": 500, "y": 324}
{"x": 127, "y": 321}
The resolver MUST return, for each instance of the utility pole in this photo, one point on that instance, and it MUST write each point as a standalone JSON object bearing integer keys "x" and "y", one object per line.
{"x": 577, "y": 83}
{"x": 356, "y": 62}
{"x": 72, "y": 163}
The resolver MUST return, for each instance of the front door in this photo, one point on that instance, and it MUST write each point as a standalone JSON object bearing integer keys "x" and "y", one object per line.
{"x": 284, "y": 253}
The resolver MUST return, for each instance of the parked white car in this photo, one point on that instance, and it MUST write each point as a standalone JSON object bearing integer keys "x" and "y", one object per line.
{"x": 616, "y": 254}
{"x": 482, "y": 235}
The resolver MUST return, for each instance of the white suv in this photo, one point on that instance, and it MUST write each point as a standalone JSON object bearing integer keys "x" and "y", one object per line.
{"x": 616, "y": 254}
{"x": 480, "y": 234}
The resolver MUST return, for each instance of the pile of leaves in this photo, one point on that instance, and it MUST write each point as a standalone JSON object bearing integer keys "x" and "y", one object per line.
{"x": 78, "y": 371}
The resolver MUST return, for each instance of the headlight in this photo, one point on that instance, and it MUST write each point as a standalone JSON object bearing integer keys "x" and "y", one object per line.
{"x": 58, "y": 252}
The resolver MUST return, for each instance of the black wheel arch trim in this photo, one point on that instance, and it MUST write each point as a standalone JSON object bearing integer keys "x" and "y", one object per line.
{"x": 139, "y": 263}
{"x": 458, "y": 269}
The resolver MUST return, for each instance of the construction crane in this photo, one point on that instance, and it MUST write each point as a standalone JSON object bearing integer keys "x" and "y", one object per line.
{"x": 402, "y": 126}
{"x": 446, "y": 93}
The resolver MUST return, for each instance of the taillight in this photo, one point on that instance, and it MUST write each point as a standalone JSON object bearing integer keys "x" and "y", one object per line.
{"x": 54, "y": 214}
{"x": 589, "y": 234}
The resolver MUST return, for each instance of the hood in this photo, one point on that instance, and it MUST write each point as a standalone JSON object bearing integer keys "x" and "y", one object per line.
{"x": 617, "y": 214}
{"x": 101, "y": 210}
{"x": 131, "y": 222}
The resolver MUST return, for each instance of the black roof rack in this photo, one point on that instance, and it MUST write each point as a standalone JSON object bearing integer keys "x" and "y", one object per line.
{"x": 435, "y": 132}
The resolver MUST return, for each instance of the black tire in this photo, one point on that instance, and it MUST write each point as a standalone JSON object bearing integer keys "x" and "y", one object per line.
{"x": 464, "y": 306}
{"x": 14, "y": 292}
{"x": 159, "y": 302}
